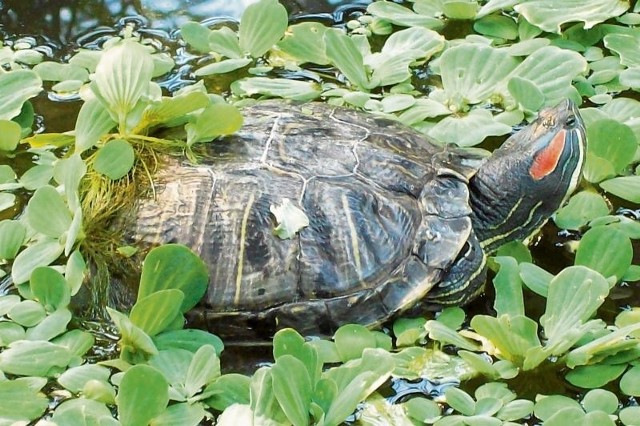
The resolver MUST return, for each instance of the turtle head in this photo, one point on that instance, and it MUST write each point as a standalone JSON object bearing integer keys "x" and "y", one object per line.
{"x": 528, "y": 178}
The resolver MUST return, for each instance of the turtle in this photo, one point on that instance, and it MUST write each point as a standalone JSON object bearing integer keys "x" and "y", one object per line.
{"x": 396, "y": 222}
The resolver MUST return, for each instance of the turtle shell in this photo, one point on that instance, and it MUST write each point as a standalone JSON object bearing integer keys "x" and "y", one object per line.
{"x": 388, "y": 215}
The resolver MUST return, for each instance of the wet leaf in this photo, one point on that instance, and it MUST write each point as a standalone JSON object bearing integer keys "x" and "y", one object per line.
{"x": 16, "y": 87}
{"x": 216, "y": 120}
{"x": 502, "y": 27}
{"x": 189, "y": 339}
{"x": 608, "y": 251}
{"x": 10, "y": 133}
{"x": 345, "y": 55}
{"x": 12, "y": 235}
{"x": 74, "y": 379}
{"x": 422, "y": 409}
{"x": 34, "y": 358}
{"x": 20, "y": 402}
{"x": 549, "y": 15}
{"x": 526, "y": 93}
{"x": 50, "y": 288}
{"x": 122, "y": 77}
{"x": 402, "y": 16}
{"x": 292, "y": 387}
{"x": 197, "y": 35}
{"x": 305, "y": 42}
{"x": 42, "y": 253}
{"x": 115, "y": 159}
{"x": 626, "y": 187}
{"x": 141, "y": 386}
{"x": 94, "y": 121}
{"x": 468, "y": 130}
{"x": 290, "y": 219}
{"x": 594, "y": 376}
{"x": 581, "y": 209}
{"x": 630, "y": 382}
{"x": 223, "y": 66}
{"x": 623, "y": 45}
{"x": 262, "y": 25}
{"x": 228, "y": 389}
{"x": 54, "y": 71}
{"x": 174, "y": 266}
{"x": 351, "y": 340}
{"x": 154, "y": 312}
{"x": 611, "y": 140}
{"x": 547, "y": 406}
{"x": 460, "y": 401}
{"x": 600, "y": 400}
{"x": 277, "y": 87}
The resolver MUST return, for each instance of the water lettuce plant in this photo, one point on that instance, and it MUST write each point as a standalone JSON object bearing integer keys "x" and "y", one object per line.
{"x": 402, "y": 61}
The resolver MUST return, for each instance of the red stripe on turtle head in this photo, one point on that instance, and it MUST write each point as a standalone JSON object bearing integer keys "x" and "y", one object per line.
{"x": 546, "y": 161}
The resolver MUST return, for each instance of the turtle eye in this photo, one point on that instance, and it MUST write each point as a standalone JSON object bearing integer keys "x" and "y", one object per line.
{"x": 570, "y": 122}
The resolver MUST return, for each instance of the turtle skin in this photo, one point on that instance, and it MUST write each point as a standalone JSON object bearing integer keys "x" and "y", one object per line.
{"x": 389, "y": 220}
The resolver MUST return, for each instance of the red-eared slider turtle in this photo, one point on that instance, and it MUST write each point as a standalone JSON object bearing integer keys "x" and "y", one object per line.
{"x": 394, "y": 220}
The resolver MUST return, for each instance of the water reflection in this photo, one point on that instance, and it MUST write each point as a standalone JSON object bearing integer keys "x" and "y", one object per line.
{"x": 63, "y": 21}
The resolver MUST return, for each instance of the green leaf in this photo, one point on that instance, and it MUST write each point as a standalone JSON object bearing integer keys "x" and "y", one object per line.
{"x": 515, "y": 410}
{"x": 115, "y": 159}
{"x": 352, "y": 339}
{"x": 594, "y": 376}
{"x": 551, "y": 69}
{"x": 290, "y": 219}
{"x": 460, "y": 9}
{"x": 227, "y": 390}
{"x": 402, "y": 16}
{"x": 629, "y": 415}
{"x": 203, "y": 369}
{"x": 36, "y": 177}
{"x": 51, "y": 326}
{"x": 16, "y": 87}
{"x": 606, "y": 250}
{"x": 216, "y": 120}
{"x": 54, "y": 71}
{"x": 184, "y": 414}
{"x": 225, "y": 42}
{"x": 141, "y": 386}
{"x": 613, "y": 141}
{"x": 630, "y": 382}
{"x": 189, "y": 339}
{"x": 623, "y": 44}
{"x": 47, "y": 212}
{"x": 10, "y": 134}
{"x": 526, "y": 93}
{"x": 276, "y": 87}
{"x": 27, "y": 313}
{"x": 305, "y": 42}
{"x": 7, "y": 201}
{"x": 289, "y": 342}
{"x": 468, "y": 130}
{"x": 345, "y": 55}
{"x": 574, "y": 296}
{"x": 136, "y": 345}
{"x": 196, "y": 35}
{"x": 460, "y": 401}
{"x": 472, "y": 72}
{"x": 514, "y": 337}
{"x": 223, "y": 66}
{"x": 600, "y": 400}
{"x": 154, "y": 312}
{"x": 292, "y": 388}
{"x": 422, "y": 409}
{"x": 122, "y": 77}
{"x": 174, "y": 108}
{"x": 20, "y": 402}
{"x": 174, "y": 266}
{"x": 443, "y": 333}
{"x": 498, "y": 26}
{"x": 535, "y": 278}
{"x": 50, "y": 288}
{"x": 12, "y": 235}
{"x": 93, "y": 122}
{"x": 76, "y": 341}
{"x": 420, "y": 43}
{"x": 42, "y": 253}
{"x": 82, "y": 412}
{"x": 582, "y": 208}
{"x": 508, "y": 288}
{"x": 547, "y": 406}
{"x": 263, "y": 401}
{"x": 262, "y": 25}
{"x": 34, "y": 358}
{"x": 74, "y": 379}
{"x": 550, "y": 15}
{"x": 625, "y": 187}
